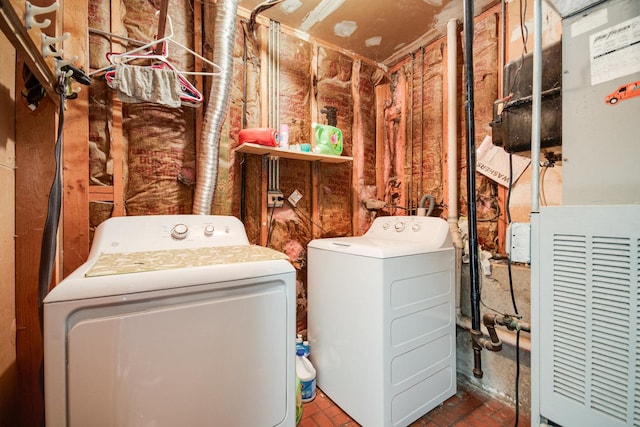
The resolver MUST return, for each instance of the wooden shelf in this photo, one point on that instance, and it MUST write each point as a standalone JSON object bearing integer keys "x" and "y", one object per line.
{"x": 289, "y": 154}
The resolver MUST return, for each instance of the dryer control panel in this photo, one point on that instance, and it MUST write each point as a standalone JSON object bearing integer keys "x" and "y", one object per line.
{"x": 160, "y": 232}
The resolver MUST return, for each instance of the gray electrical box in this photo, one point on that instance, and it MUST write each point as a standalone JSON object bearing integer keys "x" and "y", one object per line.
{"x": 601, "y": 104}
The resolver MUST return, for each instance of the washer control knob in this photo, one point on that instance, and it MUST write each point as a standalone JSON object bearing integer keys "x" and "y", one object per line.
{"x": 415, "y": 227}
{"x": 179, "y": 231}
{"x": 208, "y": 230}
{"x": 385, "y": 226}
{"x": 399, "y": 226}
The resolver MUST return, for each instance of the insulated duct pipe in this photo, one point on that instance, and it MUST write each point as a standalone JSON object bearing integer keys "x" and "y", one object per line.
{"x": 209, "y": 149}
{"x": 471, "y": 186}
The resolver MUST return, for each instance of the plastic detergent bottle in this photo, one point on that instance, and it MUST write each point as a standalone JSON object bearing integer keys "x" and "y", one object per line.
{"x": 299, "y": 343}
{"x": 307, "y": 374}
{"x": 284, "y": 136}
{"x": 328, "y": 139}
{"x": 298, "y": 400}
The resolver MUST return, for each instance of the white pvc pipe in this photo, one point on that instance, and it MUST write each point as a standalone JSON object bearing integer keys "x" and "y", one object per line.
{"x": 536, "y": 105}
{"x": 452, "y": 148}
{"x": 452, "y": 126}
{"x": 535, "y": 211}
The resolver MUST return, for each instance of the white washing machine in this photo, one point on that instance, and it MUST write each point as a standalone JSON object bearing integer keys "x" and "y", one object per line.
{"x": 381, "y": 319}
{"x": 172, "y": 321}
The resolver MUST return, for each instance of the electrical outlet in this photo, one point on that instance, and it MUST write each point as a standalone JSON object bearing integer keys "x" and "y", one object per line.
{"x": 295, "y": 197}
{"x": 275, "y": 199}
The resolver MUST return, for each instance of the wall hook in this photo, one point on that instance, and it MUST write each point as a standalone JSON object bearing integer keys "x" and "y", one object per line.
{"x": 60, "y": 63}
{"x": 48, "y": 43}
{"x": 31, "y": 11}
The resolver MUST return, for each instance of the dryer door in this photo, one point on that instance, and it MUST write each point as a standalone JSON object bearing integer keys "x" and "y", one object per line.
{"x": 190, "y": 360}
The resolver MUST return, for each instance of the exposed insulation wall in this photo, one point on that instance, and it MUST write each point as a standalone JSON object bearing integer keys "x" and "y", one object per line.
{"x": 295, "y": 88}
{"x": 290, "y": 227}
{"x": 159, "y": 141}
{"x": 100, "y": 111}
{"x": 426, "y": 139}
{"x": 414, "y": 149}
{"x": 248, "y": 168}
{"x": 485, "y": 55}
{"x": 394, "y": 181}
{"x": 364, "y": 144}
{"x": 228, "y": 187}
{"x": 334, "y": 90}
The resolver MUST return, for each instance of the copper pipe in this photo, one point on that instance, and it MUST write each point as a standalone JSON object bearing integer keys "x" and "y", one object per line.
{"x": 490, "y": 320}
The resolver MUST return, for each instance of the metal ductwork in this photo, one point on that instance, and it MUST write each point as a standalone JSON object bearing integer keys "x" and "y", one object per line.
{"x": 209, "y": 149}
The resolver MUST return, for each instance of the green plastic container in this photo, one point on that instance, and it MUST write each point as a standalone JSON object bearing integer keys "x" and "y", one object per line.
{"x": 328, "y": 139}
{"x": 298, "y": 400}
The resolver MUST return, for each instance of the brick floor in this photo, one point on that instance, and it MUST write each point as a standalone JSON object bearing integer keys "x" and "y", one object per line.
{"x": 469, "y": 407}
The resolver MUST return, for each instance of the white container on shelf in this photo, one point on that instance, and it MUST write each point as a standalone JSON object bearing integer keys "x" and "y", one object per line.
{"x": 284, "y": 136}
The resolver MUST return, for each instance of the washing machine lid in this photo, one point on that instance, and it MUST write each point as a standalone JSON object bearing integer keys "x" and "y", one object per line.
{"x": 373, "y": 248}
{"x": 393, "y": 236}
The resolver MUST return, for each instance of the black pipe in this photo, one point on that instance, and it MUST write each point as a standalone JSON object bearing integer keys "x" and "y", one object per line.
{"x": 471, "y": 186}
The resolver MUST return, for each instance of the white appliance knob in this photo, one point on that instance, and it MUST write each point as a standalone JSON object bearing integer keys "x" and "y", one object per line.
{"x": 415, "y": 227}
{"x": 385, "y": 226}
{"x": 399, "y": 226}
{"x": 179, "y": 231}
{"x": 208, "y": 230}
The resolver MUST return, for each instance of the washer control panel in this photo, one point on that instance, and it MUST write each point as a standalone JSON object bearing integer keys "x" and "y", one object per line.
{"x": 399, "y": 224}
{"x": 409, "y": 228}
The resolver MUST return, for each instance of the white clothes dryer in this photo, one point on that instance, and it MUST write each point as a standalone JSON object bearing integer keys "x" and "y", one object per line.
{"x": 172, "y": 321}
{"x": 381, "y": 319}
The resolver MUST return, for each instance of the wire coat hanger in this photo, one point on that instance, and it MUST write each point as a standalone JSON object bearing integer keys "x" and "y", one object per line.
{"x": 129, "y": 55}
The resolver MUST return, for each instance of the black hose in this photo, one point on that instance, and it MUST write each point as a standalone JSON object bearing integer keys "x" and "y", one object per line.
{"x": 50, "y": 231}
{"x": 517, "y": 377}
{"x": 513, "y": 296}
{"x": 471, "y": 183}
